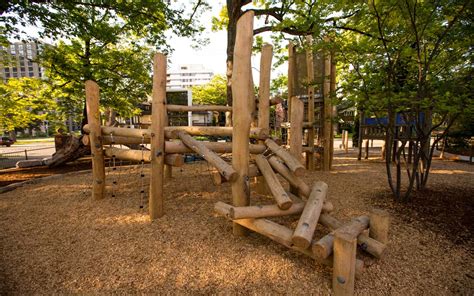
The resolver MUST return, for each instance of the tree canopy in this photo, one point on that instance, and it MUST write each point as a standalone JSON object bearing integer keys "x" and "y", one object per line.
{"x": 211, "y": 93}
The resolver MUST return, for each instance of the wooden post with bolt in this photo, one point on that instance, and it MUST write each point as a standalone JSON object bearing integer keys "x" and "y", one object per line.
{"x": 93, "y": 118}
{"x": 156, "y": 198}
{"x": 343, "y": 276}
{"x": 310, "y": 77}
{"x": 241, "y": 115}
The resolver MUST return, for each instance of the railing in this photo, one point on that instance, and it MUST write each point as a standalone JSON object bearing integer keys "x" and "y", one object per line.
{"x": 9, "y": 159}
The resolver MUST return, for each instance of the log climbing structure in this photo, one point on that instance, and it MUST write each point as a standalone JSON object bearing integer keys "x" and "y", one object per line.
{"x": 265, "y": 160}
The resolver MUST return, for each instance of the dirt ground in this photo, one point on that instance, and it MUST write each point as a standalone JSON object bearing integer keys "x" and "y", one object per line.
{"x": 56, "y": 240}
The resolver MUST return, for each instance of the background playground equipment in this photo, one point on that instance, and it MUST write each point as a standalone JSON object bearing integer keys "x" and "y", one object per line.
{"x": 168, "y": 144}
{"x": 372, "y": 128}
{"x": 311, "y": 81}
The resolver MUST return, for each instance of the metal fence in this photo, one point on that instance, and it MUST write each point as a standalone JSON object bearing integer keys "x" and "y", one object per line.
{"x": 9, "y": 159}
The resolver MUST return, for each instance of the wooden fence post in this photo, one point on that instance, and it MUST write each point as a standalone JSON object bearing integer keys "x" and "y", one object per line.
{"x": 158, "y": 122}
{"x": 241, "y": 113}
{"x": 296, "y": 140}
{"x": 93, "y": 118}
{"x": 327, "y": 129}
{"x": 310, "y": 75}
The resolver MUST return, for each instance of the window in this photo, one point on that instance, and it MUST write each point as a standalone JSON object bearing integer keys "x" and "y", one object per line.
{"x": 7, "y": 75}
{"x": 30, "y": 68}
{"x": 31, "y": 74}
{"x": 20, "y": 47}
{"x": 13, "y": 49}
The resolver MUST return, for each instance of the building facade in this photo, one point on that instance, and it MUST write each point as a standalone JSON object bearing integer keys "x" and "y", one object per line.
{"x": 186, "y": 76}
{"x": 17, "y": 60}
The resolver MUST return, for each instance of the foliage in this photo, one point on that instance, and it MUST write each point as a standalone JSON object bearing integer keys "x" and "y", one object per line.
{"x": 279, "y": 86}
{"x": 25, "y": 102}
{"x": 211, "y": 93}
{"x": 106, "y": 41}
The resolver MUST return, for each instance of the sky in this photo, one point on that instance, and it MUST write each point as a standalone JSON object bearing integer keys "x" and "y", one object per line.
{"x": 213, "y": 55}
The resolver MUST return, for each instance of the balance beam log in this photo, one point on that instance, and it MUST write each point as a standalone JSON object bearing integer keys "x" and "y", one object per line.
{"x": 224, "y": 168}
{"x": 304, "y": 231}
{"x": 176, "y": 160}
{"x": 293, "y": 164}
{"x": 282, "y": 169}
{"x": 170, "y": 131}
{"x": 197, "y": 108}
{"x": 283, "y": 200}
{"x": 366, "y": 243}
{"x": 323, "y": 248}
{"x": 271, "y": 211}
{"x": 275, "y": 232}
{"x": 219, "y": 179}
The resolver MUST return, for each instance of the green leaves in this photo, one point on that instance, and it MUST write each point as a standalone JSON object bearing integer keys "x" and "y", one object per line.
{"x": 211, "y": 93}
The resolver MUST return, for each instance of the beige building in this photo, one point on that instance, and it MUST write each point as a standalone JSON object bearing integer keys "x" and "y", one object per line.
{"x": 17, "y": 60}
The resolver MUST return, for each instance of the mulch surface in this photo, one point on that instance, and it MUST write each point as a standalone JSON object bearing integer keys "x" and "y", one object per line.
{"x": 56, "y": 240}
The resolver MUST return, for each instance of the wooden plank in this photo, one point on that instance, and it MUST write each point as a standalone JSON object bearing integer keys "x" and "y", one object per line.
{"x": 241, "y": 115}
{"x": 282, "y": 199}
{"x": 211, "y": 157}
{"x": 304, "y": 231}
{"x": 157, "y": 137}
{"x": 293, "y": 164}
{"x": 93, "y": 118}
{"x": 327, "y": 113}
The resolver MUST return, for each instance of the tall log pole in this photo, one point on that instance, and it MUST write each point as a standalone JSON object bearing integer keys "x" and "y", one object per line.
{"x": 158, "y": 122}
{"x": 296, "y": 119}
{"x": 332, "y": 94}
{"x": 310, "y": 76}
{"x": 264, "y": 102}
{"x": 93, "y": 117}
{"x": 327, "y": 129}
{"x": 379, "y": 225}
{"x": 241, "y": 115}
{"x": 291, "y": 81}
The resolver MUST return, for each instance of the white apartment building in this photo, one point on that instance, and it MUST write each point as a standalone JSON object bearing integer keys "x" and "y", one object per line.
{"x": 186, "y": 76}
{"x": 17, "y": 60}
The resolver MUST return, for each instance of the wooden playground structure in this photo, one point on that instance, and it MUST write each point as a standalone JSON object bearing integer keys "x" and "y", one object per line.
{"x": 264, "y": 160}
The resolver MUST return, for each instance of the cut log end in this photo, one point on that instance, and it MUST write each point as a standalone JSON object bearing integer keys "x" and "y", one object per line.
{"x": 300, "y": 242}
{"x": 285, "y": 205}
{"x": 299, "y": 172}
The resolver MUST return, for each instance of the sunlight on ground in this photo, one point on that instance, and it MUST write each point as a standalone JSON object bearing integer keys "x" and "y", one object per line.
{"x": 452, "y": 172}
{"x": 135, "y": 218}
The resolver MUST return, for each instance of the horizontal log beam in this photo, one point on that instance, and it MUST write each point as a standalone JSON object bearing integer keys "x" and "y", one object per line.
{"x": 366, "y": 243}
{"x": 324, "y": 247}
{"x": 198, "y": 108}
{"x": 292, "y": 163}
{"x": 275, "y": 232}
{"x": 211, "y": 157}
{"x": 176, "y": 160}
{"x": 170, "y": 131}
{"x": 265, "y": 211}
{"x": 219, "y": 179}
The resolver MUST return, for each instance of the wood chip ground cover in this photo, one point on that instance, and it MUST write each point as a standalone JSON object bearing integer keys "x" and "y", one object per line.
{"x": 55, "y": 239}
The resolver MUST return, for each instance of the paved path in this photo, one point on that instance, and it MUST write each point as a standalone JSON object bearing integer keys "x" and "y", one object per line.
{"x": 10, "y": 155}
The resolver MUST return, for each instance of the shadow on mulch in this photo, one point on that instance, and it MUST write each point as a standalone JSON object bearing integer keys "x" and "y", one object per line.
{"x": 447, "y": 211}
{"x": 19, "y": 175}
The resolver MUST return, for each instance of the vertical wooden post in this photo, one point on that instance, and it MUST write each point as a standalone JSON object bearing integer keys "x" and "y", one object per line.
{"x": 346, "y": 142}
{"x": 343, "y": 277}
{"x": 367, "y": 149}
{"x": 291, "y": 82}
{"x": 310, "y": 77}
{"x": 327, "y": 129}
{"x": 93, "y": 118}
{"x": 361, "y": 136}
{"x": 332, "y": 88}
{"x": 296, "y": 119}
{"x": 379, "y": 225}
{"x": 168, "y": 172}
{"x": 241, "y": 116}
{"x": 158, "y": 122}
{"x": 264, "y": 102}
